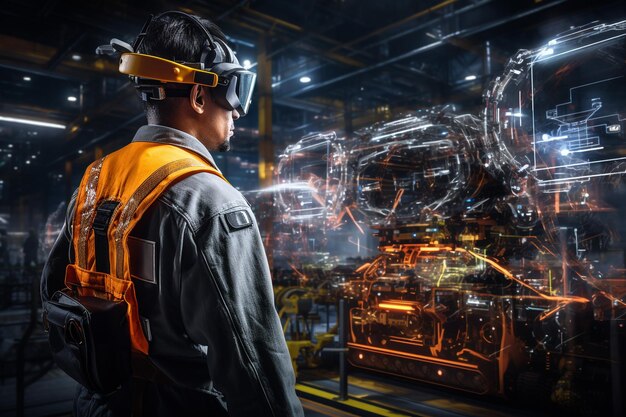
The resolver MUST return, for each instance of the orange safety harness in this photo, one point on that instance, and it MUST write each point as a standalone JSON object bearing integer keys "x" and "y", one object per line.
{"x": 114, "y": 194}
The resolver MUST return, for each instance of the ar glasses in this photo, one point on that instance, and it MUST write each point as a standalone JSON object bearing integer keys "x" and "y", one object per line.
{"x": 230, "y": 84}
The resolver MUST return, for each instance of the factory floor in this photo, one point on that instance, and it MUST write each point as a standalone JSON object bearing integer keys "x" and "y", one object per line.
{"x": 51, "y": 396}
{"x": 375, "y": 395}
{"x": 368, "y": 395}
{"x": 49, "y": 391}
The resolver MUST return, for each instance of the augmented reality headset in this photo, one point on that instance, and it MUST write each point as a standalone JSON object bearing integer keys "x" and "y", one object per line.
{"x": 231, "y": 85}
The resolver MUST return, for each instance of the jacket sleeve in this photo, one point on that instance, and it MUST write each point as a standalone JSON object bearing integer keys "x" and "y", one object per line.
{"x": 229, "y": 307}
{"x": 61, "y": 254}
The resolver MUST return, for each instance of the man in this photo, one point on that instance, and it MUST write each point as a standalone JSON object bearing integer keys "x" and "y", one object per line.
{"x": 201, "y": 276}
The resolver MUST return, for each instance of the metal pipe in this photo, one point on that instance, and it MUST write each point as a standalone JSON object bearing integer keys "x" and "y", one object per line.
{"x": 421, "y": 49}
{"x": 345, "y": 45}
{"x": 62, "y": 52}
{"x": 301, "y": 105}
{"x": 390, "y": 38}
{"x": 487, "y": 70}
{"x": 395, "y": 24}
{"x": 343, "y": 341}
{"x": 230, "y": 11}
{"x": 364, "y": 70}
{"x": 424, "y": 25}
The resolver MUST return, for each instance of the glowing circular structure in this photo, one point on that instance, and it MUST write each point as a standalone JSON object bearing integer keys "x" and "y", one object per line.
{"x": 311, "y": 179}
{"x": 417, "y": 167}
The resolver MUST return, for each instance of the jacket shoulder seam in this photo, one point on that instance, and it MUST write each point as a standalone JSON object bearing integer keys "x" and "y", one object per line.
{"x": 178, "y": 210}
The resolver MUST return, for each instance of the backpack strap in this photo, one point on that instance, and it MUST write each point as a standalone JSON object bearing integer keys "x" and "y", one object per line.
{"x": 100, "y": 227}
{"x": 111, "y": 217}
{"x": 141, "y": 200}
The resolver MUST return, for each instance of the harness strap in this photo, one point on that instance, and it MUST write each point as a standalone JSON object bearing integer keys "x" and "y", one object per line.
{"x": 101, "y": 222}
{"x": 112, "y": 198}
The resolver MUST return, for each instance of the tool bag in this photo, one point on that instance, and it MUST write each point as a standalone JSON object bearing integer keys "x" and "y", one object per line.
{"x": 93, "y": 324}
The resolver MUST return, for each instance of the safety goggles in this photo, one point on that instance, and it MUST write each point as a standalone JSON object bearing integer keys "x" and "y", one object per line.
{"x": 231, "y": 85}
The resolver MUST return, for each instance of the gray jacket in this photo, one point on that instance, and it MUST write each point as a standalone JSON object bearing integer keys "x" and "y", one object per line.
{"x": 205, "y": 293}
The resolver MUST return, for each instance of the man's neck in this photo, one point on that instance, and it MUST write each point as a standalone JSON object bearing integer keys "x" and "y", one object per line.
{"x": 183, "y": 127}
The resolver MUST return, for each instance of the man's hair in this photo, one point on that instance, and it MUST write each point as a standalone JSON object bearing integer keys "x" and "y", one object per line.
{"x": 177, "y": 38}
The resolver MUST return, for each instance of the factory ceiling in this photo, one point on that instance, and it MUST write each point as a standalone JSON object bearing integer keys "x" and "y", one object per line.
{"x": 365, "y": 61}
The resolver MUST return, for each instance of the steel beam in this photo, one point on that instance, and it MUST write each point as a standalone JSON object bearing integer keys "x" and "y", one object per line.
{"x": 459, "y": 34}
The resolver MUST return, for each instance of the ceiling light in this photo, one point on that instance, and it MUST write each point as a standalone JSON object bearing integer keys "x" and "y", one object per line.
{"x": 470, "y": 78}
{"x": 72, "y": 98}
{"x": 31, "y": 122}
{"x": 305, "y": 79}
{"x": 247, "y": 64}
{"x": 80, "y": 151}
{"x": 10, "y": 145}
{"x": 26, "y": 78}
{"x": 28, "y": 162}
{"x": 76, "y": 57}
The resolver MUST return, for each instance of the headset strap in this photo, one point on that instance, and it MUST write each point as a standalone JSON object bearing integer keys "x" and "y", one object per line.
{"x": 142, "y": 34}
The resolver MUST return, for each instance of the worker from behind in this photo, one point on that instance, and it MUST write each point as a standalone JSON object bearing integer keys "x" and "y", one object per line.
{"x": 196, "y": 261}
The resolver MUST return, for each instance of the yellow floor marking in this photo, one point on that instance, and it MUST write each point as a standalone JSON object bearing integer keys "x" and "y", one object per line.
{"x": 363, "y": 383}
{"x": 325, "y": 409}
{"x": 350, "y": 402}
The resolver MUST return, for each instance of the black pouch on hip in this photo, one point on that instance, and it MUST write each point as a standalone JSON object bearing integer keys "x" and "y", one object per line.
{"x": 89, "y": 338}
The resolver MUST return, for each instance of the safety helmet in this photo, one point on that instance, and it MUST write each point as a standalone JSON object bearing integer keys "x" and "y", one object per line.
{"x": 231, "y": 84}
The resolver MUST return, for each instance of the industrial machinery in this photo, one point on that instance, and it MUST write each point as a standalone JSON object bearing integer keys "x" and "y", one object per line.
{"x": 501, "y": 266}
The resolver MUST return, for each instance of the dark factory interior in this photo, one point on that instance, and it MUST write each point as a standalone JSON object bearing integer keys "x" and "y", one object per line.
{"x": 414, "y": 276}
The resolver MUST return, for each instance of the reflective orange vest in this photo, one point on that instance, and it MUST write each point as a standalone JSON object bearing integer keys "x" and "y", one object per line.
{"x": 134, "y": 177}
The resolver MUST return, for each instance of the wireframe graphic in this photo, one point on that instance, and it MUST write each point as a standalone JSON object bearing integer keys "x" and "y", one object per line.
{"x": 557, "y": 113}
{"x": 311, "y": 179}
{"x": 502, "y": 241}
{"x": 415, "y": 168}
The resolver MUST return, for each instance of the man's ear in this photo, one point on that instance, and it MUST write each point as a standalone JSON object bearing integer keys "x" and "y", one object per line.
{"x": 197, "y": 99}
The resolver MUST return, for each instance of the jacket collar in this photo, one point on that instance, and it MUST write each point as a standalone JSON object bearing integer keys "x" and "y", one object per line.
{"x": 170, "y": 136}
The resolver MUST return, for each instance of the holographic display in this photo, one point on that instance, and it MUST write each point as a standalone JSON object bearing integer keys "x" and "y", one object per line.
{"x": 502, "y": 242}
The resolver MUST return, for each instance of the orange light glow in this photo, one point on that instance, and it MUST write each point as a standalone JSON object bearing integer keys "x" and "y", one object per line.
{"x": 363, "y": 267}
{"x": 397, "y": 200}
{"x": 396, "y": 307}
{"x": 435, "y": 249}
{"x": 509, "y": 275}
{"x": 403, "y": 354}
{"x": 300, "y": 274}
{"x": 354, "y": 220}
